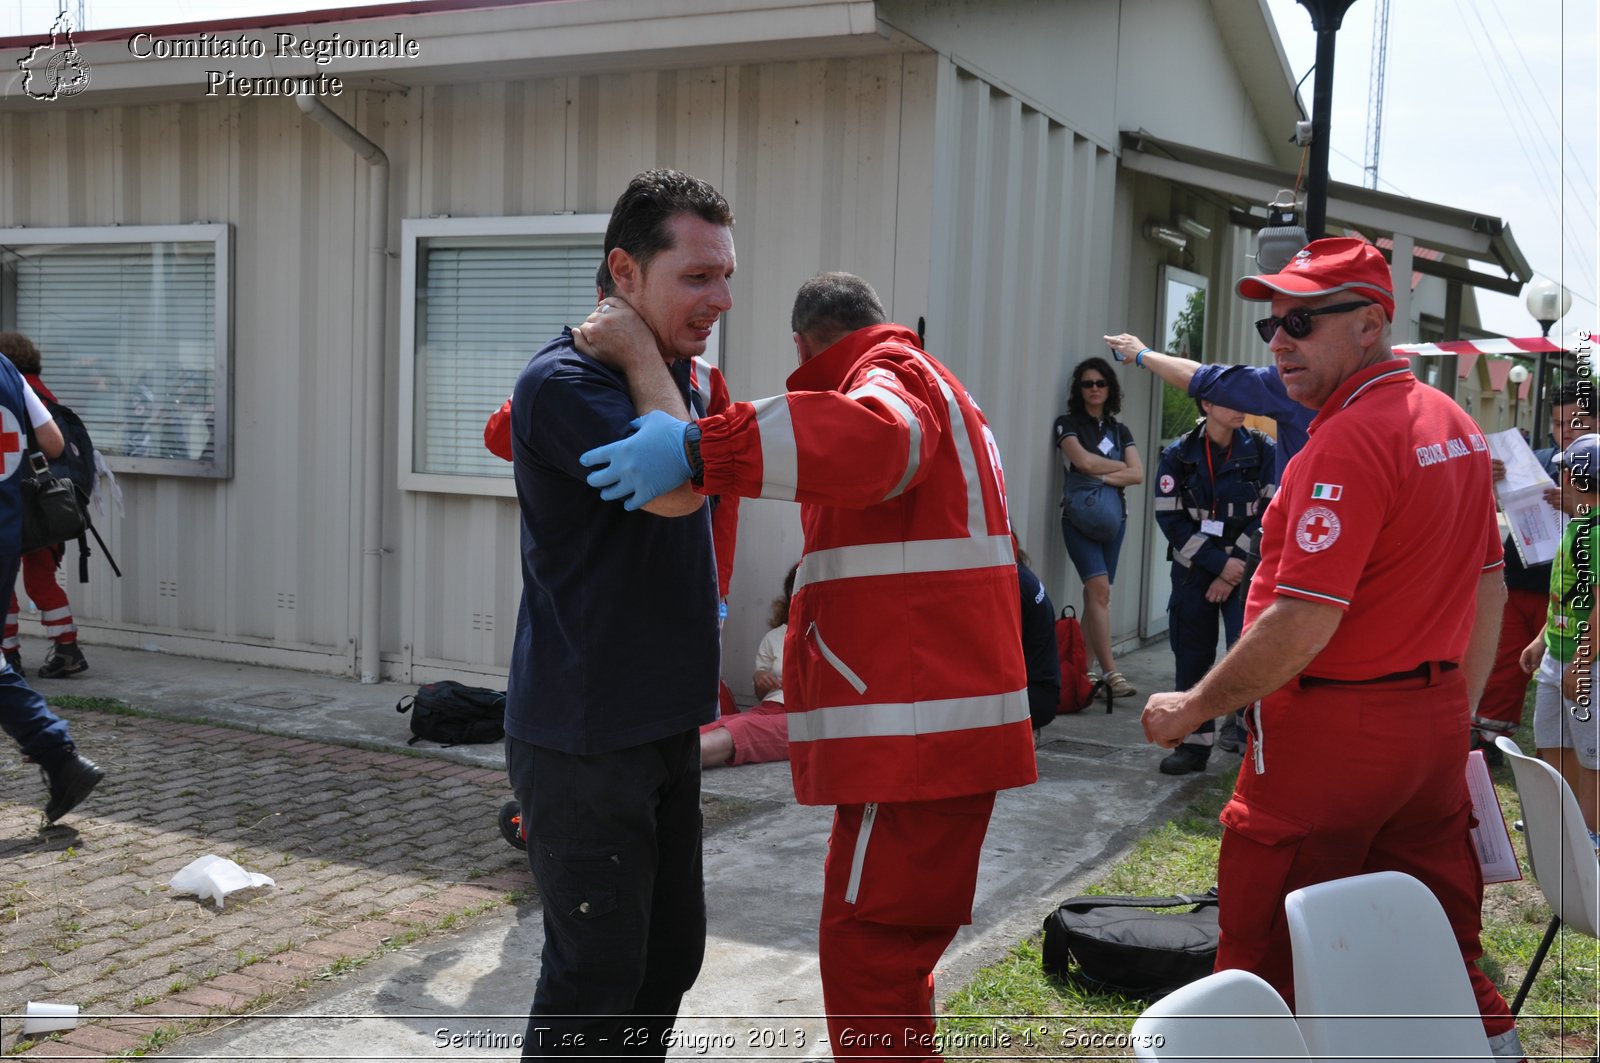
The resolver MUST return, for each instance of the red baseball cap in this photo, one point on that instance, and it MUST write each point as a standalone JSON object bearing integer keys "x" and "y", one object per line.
{"x": 1322, "y": 267}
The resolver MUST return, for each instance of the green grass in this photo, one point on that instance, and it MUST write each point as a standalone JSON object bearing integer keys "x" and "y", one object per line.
{"x": 1012, "y": 1008}
{"x": 96, "y": 704}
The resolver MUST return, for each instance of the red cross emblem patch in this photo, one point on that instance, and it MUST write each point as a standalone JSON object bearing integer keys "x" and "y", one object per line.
{"x": 12, "y": 441}
{"x": 1317, "y": 530}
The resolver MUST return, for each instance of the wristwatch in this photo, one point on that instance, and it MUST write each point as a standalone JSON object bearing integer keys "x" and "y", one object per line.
{"x": 691, "y": 451}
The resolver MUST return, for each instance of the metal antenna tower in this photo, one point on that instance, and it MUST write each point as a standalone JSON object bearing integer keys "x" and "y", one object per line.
{"x": 1380, "y": 60}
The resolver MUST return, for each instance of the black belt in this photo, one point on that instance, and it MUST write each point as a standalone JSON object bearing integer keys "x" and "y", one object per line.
{"x": 1419, "y": 672}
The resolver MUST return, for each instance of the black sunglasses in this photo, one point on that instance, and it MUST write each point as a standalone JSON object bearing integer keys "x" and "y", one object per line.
{"x": 1297, "y": 322}
{"x": 1094, "y": 383}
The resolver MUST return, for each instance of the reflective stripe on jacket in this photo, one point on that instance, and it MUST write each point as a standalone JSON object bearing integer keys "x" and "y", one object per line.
{"x": 903, "y": 669}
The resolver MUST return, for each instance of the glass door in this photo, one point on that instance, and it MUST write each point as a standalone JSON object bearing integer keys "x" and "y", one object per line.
{"x": 1181, "y": 319}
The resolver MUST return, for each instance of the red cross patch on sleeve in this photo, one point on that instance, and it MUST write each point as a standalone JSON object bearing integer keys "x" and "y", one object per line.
{"x": 1317, "y": 529}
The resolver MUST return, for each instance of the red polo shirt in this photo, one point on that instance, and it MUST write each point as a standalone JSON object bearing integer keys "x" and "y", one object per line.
{"x": 1388, "y": 514}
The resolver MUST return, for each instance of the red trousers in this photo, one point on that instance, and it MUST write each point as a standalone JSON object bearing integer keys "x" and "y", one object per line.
{"x": 39, "y": 579}
{"x": 760, "y": 735}
{"x": 1395, "y": 801}
{"x": 1503, "y": 695}
{"x": 898, "y": 885}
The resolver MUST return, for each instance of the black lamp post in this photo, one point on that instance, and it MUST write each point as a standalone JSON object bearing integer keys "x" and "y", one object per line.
{"x": 1326, "y": 17}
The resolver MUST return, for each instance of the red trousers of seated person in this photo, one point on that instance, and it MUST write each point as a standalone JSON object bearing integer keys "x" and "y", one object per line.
{"x": 760, "y": 736}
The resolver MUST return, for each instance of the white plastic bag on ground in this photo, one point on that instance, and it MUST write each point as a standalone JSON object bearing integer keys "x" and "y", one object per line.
{"x": 214, "y": 877}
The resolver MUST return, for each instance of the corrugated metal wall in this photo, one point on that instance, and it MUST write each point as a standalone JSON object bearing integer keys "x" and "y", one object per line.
{"x": 959, "y": 202}
{"x": 1024, "y": 223}
{"x": 264, "y": 558}
{"x": 809, "y": 154}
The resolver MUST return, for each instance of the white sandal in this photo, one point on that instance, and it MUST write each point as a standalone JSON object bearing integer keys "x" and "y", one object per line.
{"x": 1118, "y": 684}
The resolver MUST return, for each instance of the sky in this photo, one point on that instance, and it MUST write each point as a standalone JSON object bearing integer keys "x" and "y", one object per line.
{"x": 1489, "y": 105}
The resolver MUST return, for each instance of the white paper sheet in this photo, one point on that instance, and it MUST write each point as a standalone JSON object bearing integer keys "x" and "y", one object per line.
{"x": 1490, "y": 837}
{"x": 1535, "y": 525}
{"x": 1522, "y": 468}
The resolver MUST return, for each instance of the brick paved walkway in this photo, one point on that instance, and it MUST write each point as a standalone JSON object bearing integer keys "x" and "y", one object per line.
{"x": 366, "y": 848}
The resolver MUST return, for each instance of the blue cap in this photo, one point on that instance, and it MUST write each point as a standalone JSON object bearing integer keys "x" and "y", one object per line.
{"x": 1583, "y": 456}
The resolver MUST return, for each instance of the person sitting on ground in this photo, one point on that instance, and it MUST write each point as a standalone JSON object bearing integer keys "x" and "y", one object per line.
{"x": 1566, "y": 727}
{"x": 760, "y": 735}
{"x": 39, "y": 566}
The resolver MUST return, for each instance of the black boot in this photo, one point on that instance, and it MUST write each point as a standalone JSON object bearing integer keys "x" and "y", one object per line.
{"x": 64, "y": 659}
{"x": 1187, "y": 758}
{"x": 70, "y": 780}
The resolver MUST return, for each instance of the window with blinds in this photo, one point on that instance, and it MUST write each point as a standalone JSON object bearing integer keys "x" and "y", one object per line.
{"x": 481, "y": 313}
{"x": 485, "y": 293}
{"x": 132, "y": 335}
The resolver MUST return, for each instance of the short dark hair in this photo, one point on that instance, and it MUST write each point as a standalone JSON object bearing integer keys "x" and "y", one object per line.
{"x": 641, "y": 217}
{"x": 603, "y": 281}
{"x": 831, "y": 305}
{"x": 1579, "y": 392}
{"x": 1113, "y": 393}
{"x": 20, "y": 349}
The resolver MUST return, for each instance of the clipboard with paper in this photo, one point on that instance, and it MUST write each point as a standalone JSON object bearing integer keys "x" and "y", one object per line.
{"x": 1535, "y": 526}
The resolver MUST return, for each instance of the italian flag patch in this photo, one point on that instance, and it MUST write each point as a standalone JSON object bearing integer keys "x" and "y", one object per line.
{"x": 1327, "y": 492}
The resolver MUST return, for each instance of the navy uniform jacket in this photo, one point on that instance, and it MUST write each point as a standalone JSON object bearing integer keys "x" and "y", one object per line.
{"x": 13, "y": 453}
{"x": 1187, "y": 497}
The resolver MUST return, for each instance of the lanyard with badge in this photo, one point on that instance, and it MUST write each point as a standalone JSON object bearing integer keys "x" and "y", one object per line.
{"x": 1213, "y": 526}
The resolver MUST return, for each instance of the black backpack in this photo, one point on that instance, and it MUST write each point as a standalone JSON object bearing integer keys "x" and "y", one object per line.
{"x": 75, "y": 465}
{"x": 76, "y": 460}
{"x": 455, "y": 714}
{"x": 1118, "y": 943}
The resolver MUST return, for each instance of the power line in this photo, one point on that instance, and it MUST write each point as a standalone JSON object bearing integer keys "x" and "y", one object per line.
{"x": 1555, "y": 119}
{"x": 1552, "y": 197}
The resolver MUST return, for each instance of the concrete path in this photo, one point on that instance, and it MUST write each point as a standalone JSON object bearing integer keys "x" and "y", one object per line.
{"x": 329, "y": 756}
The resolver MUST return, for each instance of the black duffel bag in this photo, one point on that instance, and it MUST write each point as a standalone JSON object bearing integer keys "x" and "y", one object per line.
{"x": 1118, "y": 943}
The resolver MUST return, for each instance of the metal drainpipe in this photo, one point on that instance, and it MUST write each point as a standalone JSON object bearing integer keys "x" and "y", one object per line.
{"x": 372, "y": 422}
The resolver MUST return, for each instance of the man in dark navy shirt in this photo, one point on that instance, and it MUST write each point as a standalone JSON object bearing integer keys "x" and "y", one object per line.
{"x": 1038, "y": 644}
{"x": 615, "y": 662}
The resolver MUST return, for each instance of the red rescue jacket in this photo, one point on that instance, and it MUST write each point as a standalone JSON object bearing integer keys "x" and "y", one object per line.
{"x": 903, "y": 670}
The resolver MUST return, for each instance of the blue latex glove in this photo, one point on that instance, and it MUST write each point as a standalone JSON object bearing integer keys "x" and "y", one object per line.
{"x": 642, "y": 466}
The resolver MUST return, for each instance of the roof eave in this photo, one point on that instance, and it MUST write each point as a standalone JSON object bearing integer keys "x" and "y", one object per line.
{"x": 466, "y": 41}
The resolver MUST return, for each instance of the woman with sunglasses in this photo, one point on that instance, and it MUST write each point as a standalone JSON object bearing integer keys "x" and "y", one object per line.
{"x": 1097, "y": 449}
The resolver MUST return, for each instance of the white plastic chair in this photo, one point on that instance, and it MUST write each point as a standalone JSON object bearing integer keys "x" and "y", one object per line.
{"x": 1378, "y": 973}
{"x": 1224, "y": 1015}
{"x": 1559, "y": 853}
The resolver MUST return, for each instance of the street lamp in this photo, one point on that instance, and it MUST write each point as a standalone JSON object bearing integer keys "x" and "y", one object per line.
{"x": 1548, "y": 302}
{"x": 1518, "y": 374}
